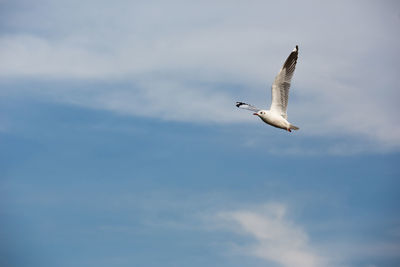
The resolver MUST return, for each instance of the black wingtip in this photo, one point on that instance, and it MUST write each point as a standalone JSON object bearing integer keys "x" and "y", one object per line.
{"x": 238, "y": 104}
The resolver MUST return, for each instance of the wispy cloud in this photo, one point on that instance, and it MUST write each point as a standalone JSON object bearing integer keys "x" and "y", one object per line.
{"x": 271, "y": 235}
{"x": 276, "y": 238}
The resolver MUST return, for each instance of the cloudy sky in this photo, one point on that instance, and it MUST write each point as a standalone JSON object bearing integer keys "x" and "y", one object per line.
{"x": 120, "y": 144}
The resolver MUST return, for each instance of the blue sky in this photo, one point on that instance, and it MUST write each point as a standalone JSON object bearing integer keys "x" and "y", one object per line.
{"x": 120, "y": 144}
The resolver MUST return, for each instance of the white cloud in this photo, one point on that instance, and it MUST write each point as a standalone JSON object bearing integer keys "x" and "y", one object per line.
{"x": 182, "y": 60}
{"x": 276, "y": 238}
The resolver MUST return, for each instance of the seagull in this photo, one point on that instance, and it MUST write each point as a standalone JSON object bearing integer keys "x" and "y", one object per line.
{"x": 276, "y": 115}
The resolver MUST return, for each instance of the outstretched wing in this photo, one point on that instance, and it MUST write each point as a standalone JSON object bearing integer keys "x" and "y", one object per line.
{"x": 281, "y": 85}
{"x": 247, "y": 106}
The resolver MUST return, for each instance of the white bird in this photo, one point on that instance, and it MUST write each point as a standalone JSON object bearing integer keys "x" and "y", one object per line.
{"x": 276, "y": 115}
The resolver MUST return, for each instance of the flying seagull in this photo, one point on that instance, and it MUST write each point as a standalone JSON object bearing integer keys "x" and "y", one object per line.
{"x": 276, "y": 115}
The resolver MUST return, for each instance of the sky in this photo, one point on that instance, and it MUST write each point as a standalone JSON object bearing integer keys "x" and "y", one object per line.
{"x": 120, "y": 142}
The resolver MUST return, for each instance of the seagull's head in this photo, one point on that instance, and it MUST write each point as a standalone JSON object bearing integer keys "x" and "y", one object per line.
{"x": 260, "y": 113}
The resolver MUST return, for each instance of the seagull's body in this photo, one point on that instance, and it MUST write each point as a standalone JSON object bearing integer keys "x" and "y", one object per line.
{"x": 276, "y": 115}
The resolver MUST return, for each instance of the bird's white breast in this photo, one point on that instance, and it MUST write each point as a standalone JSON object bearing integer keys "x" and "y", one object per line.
{"x": 275, "y": 120}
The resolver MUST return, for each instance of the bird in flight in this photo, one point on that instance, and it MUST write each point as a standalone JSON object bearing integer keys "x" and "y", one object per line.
{"x": 276, "y": 115}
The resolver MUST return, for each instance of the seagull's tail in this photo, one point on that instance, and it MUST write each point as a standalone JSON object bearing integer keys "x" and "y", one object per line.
{"x": 292, "y": 127}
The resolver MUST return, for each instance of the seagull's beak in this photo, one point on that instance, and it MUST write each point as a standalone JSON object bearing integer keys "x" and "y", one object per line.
{"x": 255, "y": 114}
